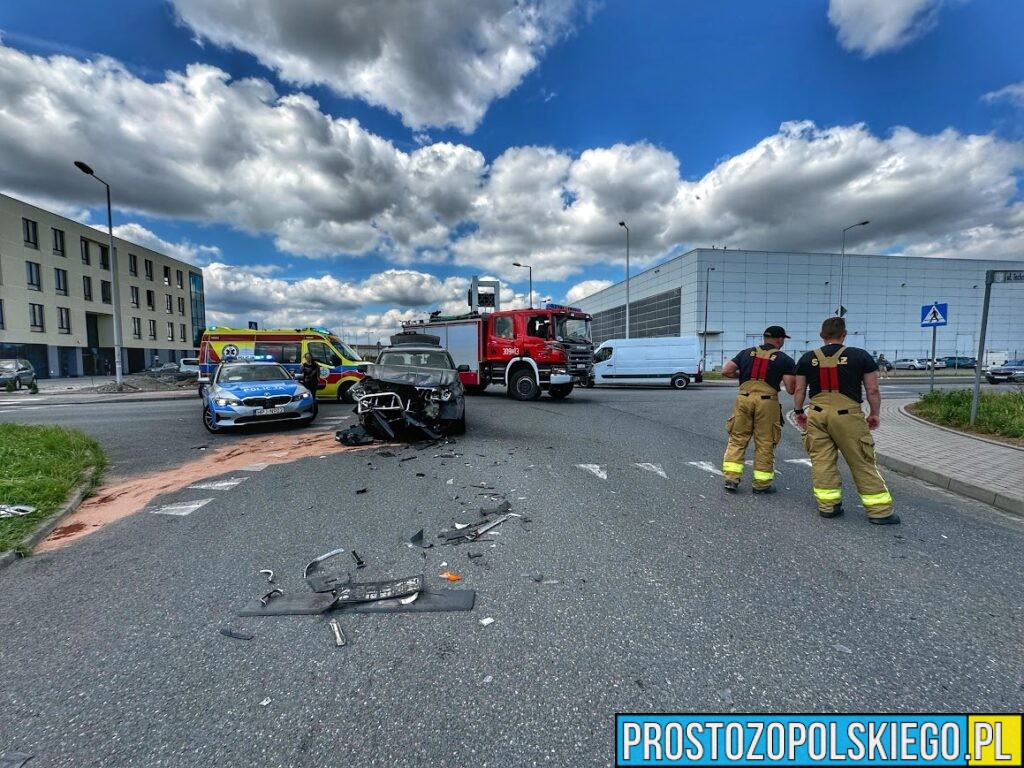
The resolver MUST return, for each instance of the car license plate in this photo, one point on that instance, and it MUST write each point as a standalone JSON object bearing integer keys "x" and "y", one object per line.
{"x": 268, "y": 411}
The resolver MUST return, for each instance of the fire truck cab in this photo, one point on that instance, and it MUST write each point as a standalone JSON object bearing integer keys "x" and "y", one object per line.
{"x": 528, "y": 351}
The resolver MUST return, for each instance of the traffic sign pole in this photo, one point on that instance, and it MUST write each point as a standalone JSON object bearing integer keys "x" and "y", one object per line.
{"x": 989, "y": 279}
{"x": 931, "y": 386}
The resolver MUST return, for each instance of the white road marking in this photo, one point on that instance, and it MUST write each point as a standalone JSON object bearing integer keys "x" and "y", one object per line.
{"x": 655, "y": 468}
{"x": 181, "y": 509}
{"x": 594, "y": 469}
{"x": 707, "y": 466}
{"x": 218, "y": 485}
{"x": 805, "y": 462}
{"x": 255, "y": 468}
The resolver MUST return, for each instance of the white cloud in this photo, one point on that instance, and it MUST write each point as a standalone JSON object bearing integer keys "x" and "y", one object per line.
{"x": 876, "y": 26}
{"x": 184, "y": 250}
{"x": 586, "y": 288}
{"x": 1012, "y": 94}
{"x": 436, "y": 63}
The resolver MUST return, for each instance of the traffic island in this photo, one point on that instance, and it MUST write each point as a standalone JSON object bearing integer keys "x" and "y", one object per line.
{"x": 48, "y": 470}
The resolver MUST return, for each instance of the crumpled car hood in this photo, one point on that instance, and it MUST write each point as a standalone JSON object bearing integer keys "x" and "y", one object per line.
{"x": 412, "y": 377}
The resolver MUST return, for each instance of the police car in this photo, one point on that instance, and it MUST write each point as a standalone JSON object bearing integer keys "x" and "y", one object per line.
{"x": 254, "y": 391}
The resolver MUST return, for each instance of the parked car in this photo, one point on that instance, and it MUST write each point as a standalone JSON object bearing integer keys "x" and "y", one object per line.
{"x": 413, "y": 389}
{"x": 250, "y": 392}
{"x": 1011, "y": 370}
{"x": 937, "y": 363}
{"x": 910, "y": 364}
{"x": 188, "y": 365}
{"x": 17, "y": 370}
{"x": 961, "y": 362}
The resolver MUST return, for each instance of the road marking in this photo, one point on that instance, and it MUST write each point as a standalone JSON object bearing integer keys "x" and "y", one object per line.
{"x": 594, "y": 469}
{"x": 805, "y": 462}
{"x": 707, "y": 466}
{"x": 255, "y": 468}
{"x": 218, "y": 485}
{"x": 181, "y": 509}
{"x": 655, "y": 468}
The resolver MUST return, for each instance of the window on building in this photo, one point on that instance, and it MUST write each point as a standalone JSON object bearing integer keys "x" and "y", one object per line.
{"x": 169, "y": 304}
{"x": 181, "y": 305}
{"x": 104, "y": 257}
{"x": 35, "y": 317}
{"x": 58, "y": 241}
{"x": 167, "y": 275}
{"x": 179, "y": 278}
{"x": 33, "y": 277}
{"x": 151, "y": 300}
{"x": 31, "y": 231}
{"x": 63, "y": 320}
{"x": 135, "y": 295}
{"x": 87, "y": 288}
{"x": 503, "y": 327}
{"x": 148, "y": 265}
{"x": 152, "y": 329}
{"x": 170, "y": 331}
{"x": 105, "y": 294}
{"x": 60, "y": 281}
{"x": 182, "y": 335}
{"x": 2, "y": 323}
{"x": 133, "y": 265}
{"x": 86, "y": 258}
{"x": 136, "y": 327}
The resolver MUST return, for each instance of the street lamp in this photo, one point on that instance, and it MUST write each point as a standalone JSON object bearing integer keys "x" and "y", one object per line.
{"x": 113, "y": 268}
{"x": 527, "y": 266}
{"x": 842, "y": 262}
{"x": 623, "y": 225}
{"x": 707, "y": 286}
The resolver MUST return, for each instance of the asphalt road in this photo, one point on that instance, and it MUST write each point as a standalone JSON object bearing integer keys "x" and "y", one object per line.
{"x": 658, "y": 594}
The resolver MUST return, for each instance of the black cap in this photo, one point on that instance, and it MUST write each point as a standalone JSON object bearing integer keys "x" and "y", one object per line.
{"x": 776, "y": 332}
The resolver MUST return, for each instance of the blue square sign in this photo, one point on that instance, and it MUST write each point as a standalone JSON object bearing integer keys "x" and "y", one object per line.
{"x": 934, "y": 315}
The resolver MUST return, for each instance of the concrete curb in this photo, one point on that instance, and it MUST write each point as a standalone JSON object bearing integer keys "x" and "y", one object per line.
{"x": 952, "y": 431}
{"x": 31, "y": 541}
{"x": 95, "y": 398}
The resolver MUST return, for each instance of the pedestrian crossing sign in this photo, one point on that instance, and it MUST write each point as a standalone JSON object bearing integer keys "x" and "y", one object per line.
{"x": 934, "y": 315}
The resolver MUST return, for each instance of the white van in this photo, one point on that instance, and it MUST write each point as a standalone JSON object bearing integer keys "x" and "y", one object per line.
{"x": 188, "y": 365}
{"x": 674, "y": 361}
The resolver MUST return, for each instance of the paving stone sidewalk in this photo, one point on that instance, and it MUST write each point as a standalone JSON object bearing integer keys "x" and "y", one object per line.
{"x": 970, "y": 466}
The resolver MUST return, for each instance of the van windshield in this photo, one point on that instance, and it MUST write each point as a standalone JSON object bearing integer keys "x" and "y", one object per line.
{"x": 572, "y": 328}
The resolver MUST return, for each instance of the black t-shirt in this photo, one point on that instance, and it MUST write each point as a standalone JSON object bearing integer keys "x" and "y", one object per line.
{"x": 782, "y": 365}
{"x": 852, "y": 366}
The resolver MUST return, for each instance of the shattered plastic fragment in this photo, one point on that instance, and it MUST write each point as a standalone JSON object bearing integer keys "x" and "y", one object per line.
{"x": 486, "y": 622}
{"x": 410, "y": 599}
{"x": 361, "y": 490}
{"x": 237, "y": 634}
{"x": 488, "y": 679}
{"x": 449, "y": 576}
{"x": 726, "y": 696}
{"x": 15, "y": 510}
{"x": 842, "y": 648}
{"x": 418, "y": 540}
{"x": 265, "y": 702}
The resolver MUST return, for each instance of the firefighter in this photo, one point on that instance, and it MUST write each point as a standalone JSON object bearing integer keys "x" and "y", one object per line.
{"x": 834, "y": 423}
{"x": 761, "y": 370}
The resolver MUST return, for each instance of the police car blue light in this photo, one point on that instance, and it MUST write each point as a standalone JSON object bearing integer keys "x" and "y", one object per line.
{"x": 250, "y": 391}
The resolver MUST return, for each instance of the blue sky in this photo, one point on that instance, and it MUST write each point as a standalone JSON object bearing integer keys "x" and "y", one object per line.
{"x": 747, "y": 124}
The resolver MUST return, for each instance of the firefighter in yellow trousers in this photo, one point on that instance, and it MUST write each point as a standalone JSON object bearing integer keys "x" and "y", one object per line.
{"x": 835, "y": 423}
{"x": 756, "y": 414}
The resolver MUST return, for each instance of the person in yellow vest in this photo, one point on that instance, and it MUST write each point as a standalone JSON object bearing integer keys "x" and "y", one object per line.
{"x": 762, "y": 370}
{"x": 834, "y": 423}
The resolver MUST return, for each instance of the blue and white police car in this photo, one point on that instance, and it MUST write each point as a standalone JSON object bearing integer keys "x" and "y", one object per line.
{"x": 254, "y": 391}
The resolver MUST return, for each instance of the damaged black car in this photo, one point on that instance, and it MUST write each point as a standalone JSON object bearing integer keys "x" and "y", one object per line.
{"x": 413, "y": 391}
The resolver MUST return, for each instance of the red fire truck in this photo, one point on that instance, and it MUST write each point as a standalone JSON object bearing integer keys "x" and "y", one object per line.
{"x": 525, "y": 350}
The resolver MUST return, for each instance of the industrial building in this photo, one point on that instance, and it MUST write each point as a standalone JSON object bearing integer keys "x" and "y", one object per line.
{"x": 57, "y": 293}
{"x": 736, "y": 294}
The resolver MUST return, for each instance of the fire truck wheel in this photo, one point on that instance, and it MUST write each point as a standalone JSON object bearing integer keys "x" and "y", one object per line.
{"x": 523, "y": 386}
{"x": 560, "y": 391}
{"x": 680, "y": 382}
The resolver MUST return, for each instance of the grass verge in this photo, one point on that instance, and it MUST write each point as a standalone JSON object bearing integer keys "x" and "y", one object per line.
{"x": 41, "y": 465}
{"x": 1000, "y": 414}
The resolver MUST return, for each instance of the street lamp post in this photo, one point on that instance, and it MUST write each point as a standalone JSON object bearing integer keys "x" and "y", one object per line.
{"x": 527, "y": 266}
{"x": 623, "y": 225}
{"x": 114, "y": 279}
{"x": 707, "y": 287}
{"x": 842, "y": 262}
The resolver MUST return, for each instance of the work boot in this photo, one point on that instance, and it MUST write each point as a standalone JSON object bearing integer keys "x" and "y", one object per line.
{"x": 836, "y": 511}
{"x": 769, "y": 489}
{"x": 892, "y": 519}
{"x": 732, "y": 485}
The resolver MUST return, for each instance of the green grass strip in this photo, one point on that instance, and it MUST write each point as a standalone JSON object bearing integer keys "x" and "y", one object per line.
{"x": 999, "y": 413}
{"x": 39, "y": 466}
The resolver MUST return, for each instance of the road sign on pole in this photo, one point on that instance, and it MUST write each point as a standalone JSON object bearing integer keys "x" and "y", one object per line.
{"x": 933, "y": 315}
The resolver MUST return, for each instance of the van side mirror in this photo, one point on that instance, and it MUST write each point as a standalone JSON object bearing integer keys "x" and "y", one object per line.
{"x": 362, "y": 368}
{"x": 463, "y": 369}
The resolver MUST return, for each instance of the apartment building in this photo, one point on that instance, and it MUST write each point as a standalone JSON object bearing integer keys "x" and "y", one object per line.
{"x": 57, "y": 293}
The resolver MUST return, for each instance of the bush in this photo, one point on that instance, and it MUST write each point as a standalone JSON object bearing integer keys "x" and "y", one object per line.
{"x": 999, "y": 413}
